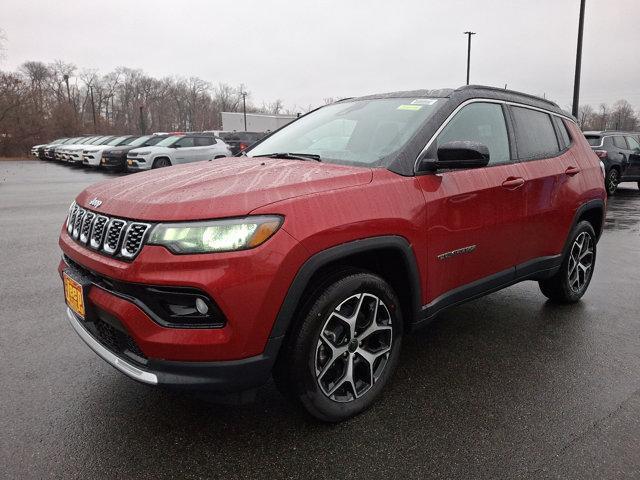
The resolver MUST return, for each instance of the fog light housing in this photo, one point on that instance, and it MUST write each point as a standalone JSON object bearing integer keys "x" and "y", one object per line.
{"x": 202, "y": 306}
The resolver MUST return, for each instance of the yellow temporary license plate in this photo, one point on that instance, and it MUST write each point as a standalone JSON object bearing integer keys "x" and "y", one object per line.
{"x": 73, "y": 294}
{"x": 129, "y": 162}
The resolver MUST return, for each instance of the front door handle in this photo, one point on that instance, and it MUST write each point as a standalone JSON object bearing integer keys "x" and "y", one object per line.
{"x": 571, "y": 171}
{"x": 512, "y": 183}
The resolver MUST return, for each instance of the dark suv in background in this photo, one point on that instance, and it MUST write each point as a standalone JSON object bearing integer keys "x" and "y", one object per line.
{"x": 240, "y": 141}
{"x": 620, "y": 154}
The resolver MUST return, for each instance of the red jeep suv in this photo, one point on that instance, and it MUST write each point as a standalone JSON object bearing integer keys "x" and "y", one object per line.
{"x": 309, "y": 257}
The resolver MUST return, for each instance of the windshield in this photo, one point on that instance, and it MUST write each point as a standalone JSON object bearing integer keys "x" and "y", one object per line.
{"x": 153, "y": 141}
{"x": 360, "y": 132}
{"x": 593, "y": 140}
{"x": 169, "y": 141}
{"x": 136, "y": 142}
{"x": 117, "y": 141}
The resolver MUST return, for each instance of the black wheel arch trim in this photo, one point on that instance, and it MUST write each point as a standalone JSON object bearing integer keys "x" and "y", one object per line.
{"x": 320, "y": 259}
{"x": 596, "y": 204}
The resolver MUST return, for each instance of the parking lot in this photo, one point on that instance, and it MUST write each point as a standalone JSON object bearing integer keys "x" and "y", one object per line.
{"x": 507, "y": 386}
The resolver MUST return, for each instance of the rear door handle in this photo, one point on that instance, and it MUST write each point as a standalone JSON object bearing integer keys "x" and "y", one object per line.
{"x": 512, "y": 183}
{"x": 571, "y": 171}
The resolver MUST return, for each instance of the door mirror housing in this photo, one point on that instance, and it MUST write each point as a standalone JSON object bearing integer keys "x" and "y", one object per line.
{"x": 457, "y": 155}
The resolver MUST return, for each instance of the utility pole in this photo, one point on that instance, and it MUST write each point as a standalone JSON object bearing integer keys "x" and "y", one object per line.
{"x": 93, "y": 110}
{"x": 576, "y": 82}
{"x": 468, "y": 34}
{"x": 244, "y": 108}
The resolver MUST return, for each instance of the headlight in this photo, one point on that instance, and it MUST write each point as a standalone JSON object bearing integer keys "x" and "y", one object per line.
{"x": 144, "y": 153}
{"x": 216, "y": 235}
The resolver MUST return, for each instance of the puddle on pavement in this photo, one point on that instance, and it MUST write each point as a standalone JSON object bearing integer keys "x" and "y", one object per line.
{"x": 623, "y": 209}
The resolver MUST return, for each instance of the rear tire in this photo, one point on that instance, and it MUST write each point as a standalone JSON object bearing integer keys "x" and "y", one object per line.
{"x": 612, "y": 180}
{"x": 338, "y": 357}
{"x": 573, "y": 278}
{"x": 161, "y": 162}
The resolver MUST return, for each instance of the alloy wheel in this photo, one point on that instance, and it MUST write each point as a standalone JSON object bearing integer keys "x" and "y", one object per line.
{"x": 580, "y": 262}
{"x": 353, "y": 347}
{"x": 612, "y": 181}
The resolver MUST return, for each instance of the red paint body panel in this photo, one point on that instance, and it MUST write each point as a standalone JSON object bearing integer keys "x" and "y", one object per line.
{"x": 224, "y": 188}
{"x": 248, "y": 286}
{"x": 326, "y": 205}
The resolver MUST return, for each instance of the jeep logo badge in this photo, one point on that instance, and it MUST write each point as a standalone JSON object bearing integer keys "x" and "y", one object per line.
{"x": 95, "y": 202}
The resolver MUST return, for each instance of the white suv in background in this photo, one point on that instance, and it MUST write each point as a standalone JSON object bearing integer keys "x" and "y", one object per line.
{"x": 92, "y": 155}
{"x": 177, "y": 149}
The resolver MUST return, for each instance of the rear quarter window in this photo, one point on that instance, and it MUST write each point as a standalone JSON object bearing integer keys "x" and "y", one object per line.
{"x": 594, "y": 140}
{"x": 535, "y": 135}
{"x": 564, "y": 133}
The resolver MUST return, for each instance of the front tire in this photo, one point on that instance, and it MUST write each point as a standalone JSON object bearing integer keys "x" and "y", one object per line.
{"x": 573, "y": 278}
{"x": 612, "y": 180}
{"x": 342, "y": 352}
{"x": 161, "y": 163}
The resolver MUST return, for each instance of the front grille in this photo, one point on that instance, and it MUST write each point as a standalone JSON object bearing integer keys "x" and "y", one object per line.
{"x": 78, "y": 222}
{"x": 116, "y": 340}
{"x": 97, "y": 234}
{"x": 112, "y": 236}
{"x": 133, "y": 239}
{"x": 86, "y": 226}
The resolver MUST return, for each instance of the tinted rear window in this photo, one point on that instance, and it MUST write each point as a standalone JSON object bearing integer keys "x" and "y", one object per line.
{"x": 594, "y": 140}
{"x": 535, "y": 136}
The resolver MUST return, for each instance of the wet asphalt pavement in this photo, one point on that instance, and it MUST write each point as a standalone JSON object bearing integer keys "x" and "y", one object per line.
{"x": 508, "y": 386}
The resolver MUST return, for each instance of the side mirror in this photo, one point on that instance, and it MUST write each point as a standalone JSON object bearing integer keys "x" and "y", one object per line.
{"x": 457, "y": 155}
{"x": 175, "y": 145}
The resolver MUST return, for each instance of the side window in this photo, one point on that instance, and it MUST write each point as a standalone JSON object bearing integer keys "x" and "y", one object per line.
{"x": 619, "y": 142}
{"x": 564, "y": 133}
{"x": 535, "y": 136}
{"x": 185, "y": 142}
{"x": 480, "y": 122}
{"x": 203, "y": 141}
{"x": 633, "y": 144}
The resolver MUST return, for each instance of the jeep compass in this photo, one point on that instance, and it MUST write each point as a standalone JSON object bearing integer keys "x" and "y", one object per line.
{"x": 309, "y": 258}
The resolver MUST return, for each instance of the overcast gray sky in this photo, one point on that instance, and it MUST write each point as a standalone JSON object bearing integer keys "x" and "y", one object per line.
{"x": 302, "y": 51}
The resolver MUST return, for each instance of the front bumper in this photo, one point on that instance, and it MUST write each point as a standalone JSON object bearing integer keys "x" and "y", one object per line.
{"x": 220, "y": 377}
{"x": 91, "y": 159}
{"x": 137, "y": 164}
{"x": 113, "y": 162}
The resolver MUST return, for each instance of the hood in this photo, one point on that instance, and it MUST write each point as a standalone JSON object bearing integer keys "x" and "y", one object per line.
{"x": 121, "y": 149}
{"x": 153, "y": 149}
{"x": 227, "y": 187}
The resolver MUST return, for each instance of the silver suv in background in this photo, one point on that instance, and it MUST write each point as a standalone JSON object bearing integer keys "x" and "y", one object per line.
{"x": 177, "y": 149}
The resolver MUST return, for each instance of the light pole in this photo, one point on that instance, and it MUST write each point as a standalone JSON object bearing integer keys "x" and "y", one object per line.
{"x": 576, "y": 82}
{"x": 244, "y": 108}
{"x": 468, "y": 34}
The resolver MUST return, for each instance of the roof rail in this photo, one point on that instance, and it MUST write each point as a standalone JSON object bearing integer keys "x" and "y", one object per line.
{"x": 514, "y": 92}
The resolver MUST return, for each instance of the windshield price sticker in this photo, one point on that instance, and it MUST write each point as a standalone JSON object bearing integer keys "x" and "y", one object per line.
{"x": 409, "y": 107}
{"x": 424, "y": 101}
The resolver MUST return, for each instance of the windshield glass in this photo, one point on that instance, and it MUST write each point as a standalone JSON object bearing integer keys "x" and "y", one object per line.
{"x": 137, "y": 141}
{"x": 153, "y": 141}
{"x": 169, "y": 141}
{"x": 116, "y": 141}
{"x": 593, "y": 140}
{"x": 360, "y": 132}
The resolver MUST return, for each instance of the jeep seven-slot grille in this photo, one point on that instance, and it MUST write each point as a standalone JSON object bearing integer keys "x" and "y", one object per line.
{"x": 112, "y": 236}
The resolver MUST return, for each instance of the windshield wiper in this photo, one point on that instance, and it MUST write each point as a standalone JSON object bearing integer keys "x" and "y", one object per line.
{"x": 292, "y": 156}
